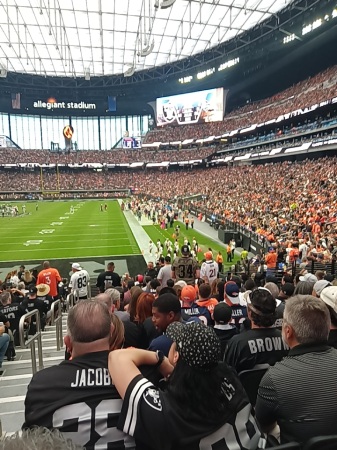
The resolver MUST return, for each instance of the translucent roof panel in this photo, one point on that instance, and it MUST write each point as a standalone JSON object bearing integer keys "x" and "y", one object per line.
{"x": 106, "y": 37}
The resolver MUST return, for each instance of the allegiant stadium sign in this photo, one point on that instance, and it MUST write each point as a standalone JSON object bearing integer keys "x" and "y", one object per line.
{"x": 51, "y": 104}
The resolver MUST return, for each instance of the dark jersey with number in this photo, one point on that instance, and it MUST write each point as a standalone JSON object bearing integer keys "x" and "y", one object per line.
{"x": 108, "y": 280}
{"x": 159, "y": 422}
{"x": 185, "y": 269}
{"x": 79, "y": 398}
{"x": 13, "y": 313}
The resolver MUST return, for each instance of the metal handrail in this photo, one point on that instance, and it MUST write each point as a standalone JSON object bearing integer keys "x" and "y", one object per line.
{"x": 31, "y": 341}
{"x": 57, "y": 321}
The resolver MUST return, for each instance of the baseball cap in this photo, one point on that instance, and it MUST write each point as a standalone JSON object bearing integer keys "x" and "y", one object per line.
{"x": 311, "y": 278}
{"x": 180, "y": 283}
{"x": 320, "y": 285}
{"x": 288, "y": 289}
{"x": 329, "y": 297}
{"x": 42, "y": 289}
{"x": 188, "y": 294}
{"x": 208, "y": 255}
{"x": 198, "y": 345}
{"x": 185, "y": 250}
{"x": 262, "y": 302}
{"x": 232, "y": 291}
{"x": 76, "y": 266}
{"x": 32, "y": 289}
{"x": 222, "y": 313}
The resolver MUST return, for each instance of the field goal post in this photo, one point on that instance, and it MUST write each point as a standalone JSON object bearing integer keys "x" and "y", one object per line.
{"x": 51, "y": 192}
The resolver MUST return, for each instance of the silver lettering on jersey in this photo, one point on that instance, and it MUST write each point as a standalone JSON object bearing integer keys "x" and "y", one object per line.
{"x": 267, "y": 344}
{"x": 92, "y": 377}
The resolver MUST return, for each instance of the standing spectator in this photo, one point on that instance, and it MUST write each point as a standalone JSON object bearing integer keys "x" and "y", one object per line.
{"x": 108, "y": 278}
{"x": 185, "y": 267}
{"x": 79, "y": 281}
{"x": 219, "y": 260}
{"x": 50, "y": 276}
{"x": 229, "y": 252}
{"x": 165, "y": 272}
{"x": 209, "y": 269}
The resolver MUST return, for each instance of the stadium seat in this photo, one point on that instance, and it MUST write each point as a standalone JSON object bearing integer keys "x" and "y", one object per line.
{"x": 322, "y": 443}
{"x": 251, "y": 379}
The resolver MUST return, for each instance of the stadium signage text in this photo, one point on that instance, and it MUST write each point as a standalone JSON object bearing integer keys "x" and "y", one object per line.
{"x": 63, "y": 105}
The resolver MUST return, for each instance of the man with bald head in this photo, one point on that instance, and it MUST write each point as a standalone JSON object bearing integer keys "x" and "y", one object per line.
{"x": 50, "y": 276}
{"x": 78, "y": 396}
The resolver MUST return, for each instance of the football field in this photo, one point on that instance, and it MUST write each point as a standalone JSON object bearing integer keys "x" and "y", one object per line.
{"x": 50, "y": 230}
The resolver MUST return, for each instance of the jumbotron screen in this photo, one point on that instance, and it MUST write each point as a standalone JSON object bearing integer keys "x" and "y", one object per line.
{"x": 194, "y": 107}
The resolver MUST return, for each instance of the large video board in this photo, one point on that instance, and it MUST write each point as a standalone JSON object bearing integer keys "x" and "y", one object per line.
{"x": 194, "y": 107}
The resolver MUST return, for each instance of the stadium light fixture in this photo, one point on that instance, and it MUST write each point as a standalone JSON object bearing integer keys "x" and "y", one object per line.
{"x": 166, "y": 4}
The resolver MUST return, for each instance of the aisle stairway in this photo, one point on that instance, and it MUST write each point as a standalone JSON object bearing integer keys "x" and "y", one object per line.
{"x": 17, "y": 375}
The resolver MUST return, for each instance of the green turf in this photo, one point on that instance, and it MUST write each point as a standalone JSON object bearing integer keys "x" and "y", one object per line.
{"x": 155, "y": 233}
{"x": 87, "y": 232}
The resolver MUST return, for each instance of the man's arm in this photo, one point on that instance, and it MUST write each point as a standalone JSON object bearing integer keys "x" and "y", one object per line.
{"x": 266, "y": 404}
{"x": 123, "y": 366}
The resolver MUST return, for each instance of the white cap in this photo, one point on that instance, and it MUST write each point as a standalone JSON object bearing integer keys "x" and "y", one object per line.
{"x": 76, "y": 266}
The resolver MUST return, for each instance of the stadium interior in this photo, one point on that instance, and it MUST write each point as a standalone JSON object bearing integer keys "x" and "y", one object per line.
{"x": 116, "y": 117}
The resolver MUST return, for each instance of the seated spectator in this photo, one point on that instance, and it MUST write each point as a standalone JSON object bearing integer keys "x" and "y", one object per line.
{"x": 289, "y": 393}
{"x": 197, "y": 383}
{"x": 263, "y": 344}
{"x": 232, "y": 298}
{"x": 80, "y": 391}
{"x": 222, "y": 316}
{"x": 166, "y": 309}
{"x": 190, "y": 310}
{"x": 204, "y": 298}
{"x": 329, "y": 297}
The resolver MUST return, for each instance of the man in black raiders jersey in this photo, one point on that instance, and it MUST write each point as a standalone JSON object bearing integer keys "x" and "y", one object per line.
{"x": 204, "y": 405}
{"x": 13, "y": 312}
{"x": 78, "y": 396}
{"x": 260, "y": 347}
{"x": 108, "y": 279}
{"x": 33, "y": 302}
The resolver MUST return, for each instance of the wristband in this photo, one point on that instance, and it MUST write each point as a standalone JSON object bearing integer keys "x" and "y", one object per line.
{"x": 160, "y": 358}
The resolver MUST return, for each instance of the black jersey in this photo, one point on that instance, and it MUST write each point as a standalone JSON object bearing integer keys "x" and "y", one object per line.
{"x": 154, "y": 418}
{"x": 13, "y": 313}
{"x": 253, "y": 347}
{"x": 29, "y": 304}
{"x": 108, "y": 280}
{"x": 79, "y": 398}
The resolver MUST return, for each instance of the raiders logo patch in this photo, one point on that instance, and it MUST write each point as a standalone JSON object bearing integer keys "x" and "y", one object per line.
{"x": 151, "y": 396}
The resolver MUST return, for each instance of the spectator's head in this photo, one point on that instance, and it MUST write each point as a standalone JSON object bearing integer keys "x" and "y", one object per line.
{"x": 306, "y": 320}
{"x": 167, "y": 259}
{"x": 319, "y": 286}
{"x": 204, "y": 291}
{"x": 231, "y": 294}
{"x": 32, "y": 291}
{"x": 167, "y": 290}
{"x": 309, "y": 277}
{"x": 187, "y": 296}
{"x": 105, "y": 299}
{"x": 197, "y": 378}
{"x": 89, "y": 328}
{"x": 135, "y": 293}
{"x": 286, "y": 291}
{"x": 178, "y": 286}
{"x": 38, "y": 438}
{"x": 319, "y": 274}
{"x": 46, "y": 265}
{"x": 144, "y": 306}
{"x": 170, "y": 283}
{"x": 303, "y": 288}
{"x": 165, "y": 310}
{"x": 222, "y": 313}
{"x": 273, "y": 289}
{"x": 185, "y": 250}
{"x": 287, "y": 279}
{"x": 115, "y": 297}
{"x": 261, "y": 308}
{"x": 111, "y": 267}
{"x": 5, "y": 298}
{"x": 249, "y": 285}
{"x": 329, "y": 297}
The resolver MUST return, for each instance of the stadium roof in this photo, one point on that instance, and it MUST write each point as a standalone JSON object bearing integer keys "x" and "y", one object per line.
{"x": 83, "y": 38}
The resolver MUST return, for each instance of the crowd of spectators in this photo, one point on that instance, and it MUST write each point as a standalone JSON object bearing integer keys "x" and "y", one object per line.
{"x": 118, "y": 156}
{"x": 268, "y": 199}
{"x": 306, "y": 93}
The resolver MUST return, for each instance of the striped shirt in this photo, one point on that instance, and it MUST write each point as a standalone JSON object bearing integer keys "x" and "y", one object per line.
{"x": 299, "y": 393}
